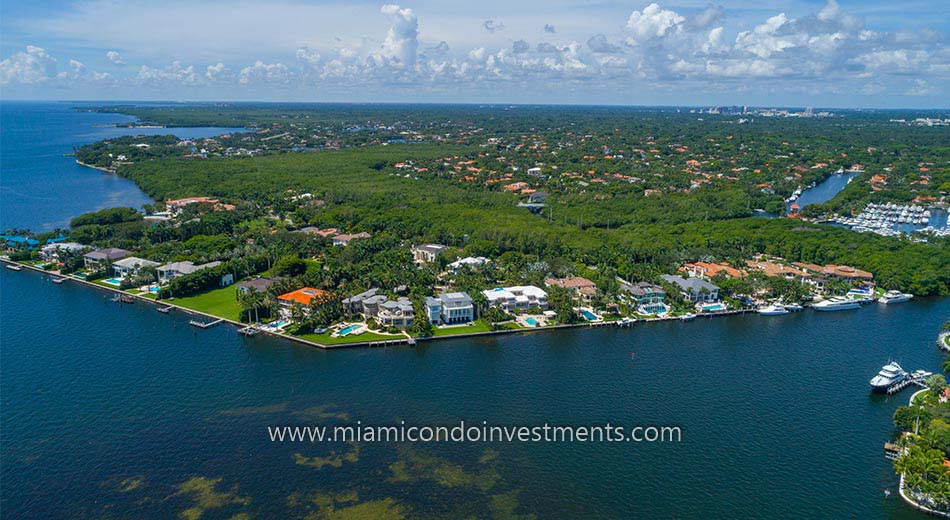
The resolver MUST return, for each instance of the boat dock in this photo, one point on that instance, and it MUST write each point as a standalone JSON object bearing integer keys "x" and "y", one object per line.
{"x": 917, "y": 378}
{"x": 250, "y": 330}
{"x": 204, "y": 324}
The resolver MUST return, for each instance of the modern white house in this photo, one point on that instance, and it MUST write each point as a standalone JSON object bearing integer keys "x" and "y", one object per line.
{"x": 470, "y": 261}
{"x": 100, "y": 257}
{"x": 519, "y": 297}
{"x": 426, "y": 253}
{"x": 450, "y": 308}
{"x": 50, "y": 251}
{"x": 130, "y": 265}
{"x": 169, "y": 272}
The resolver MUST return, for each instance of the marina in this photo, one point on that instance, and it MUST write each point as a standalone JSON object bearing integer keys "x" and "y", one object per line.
{"x": 892, "y": 219}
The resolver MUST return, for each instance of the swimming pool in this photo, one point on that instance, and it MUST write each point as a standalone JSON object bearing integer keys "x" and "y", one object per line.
{"x": 589, "y": 315}
{"x": 276, "y": 324}
{"x": 531, "y": 321}
{"x": 347, "y": 330}
{"x": 153, "y": 289}
{"x": 714, "y": 307}
{"x": 113, "y": 281}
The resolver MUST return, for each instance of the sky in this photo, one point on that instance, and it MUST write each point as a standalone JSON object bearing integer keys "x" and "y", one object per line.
{"x": 824, "y": 53}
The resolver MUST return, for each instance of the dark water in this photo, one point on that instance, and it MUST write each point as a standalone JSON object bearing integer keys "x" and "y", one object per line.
{"x": 824, "y": 191}
{"x": 40, "y": 187}
{"x": 775, "y": 413}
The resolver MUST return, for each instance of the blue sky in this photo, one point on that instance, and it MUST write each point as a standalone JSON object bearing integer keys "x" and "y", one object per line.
{"x": 792, "y": 52}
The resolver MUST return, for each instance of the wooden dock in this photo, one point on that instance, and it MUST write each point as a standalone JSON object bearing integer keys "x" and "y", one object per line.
{"x": 204, "y": 324}
{"x": 911, "y": 379}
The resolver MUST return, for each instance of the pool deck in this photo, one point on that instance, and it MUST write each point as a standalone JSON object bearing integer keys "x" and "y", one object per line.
{"x": 372, "y": 343}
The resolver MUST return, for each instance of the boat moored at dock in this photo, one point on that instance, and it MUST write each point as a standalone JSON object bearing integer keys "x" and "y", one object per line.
{"x": 837, "y": 303}
{"x": 775, "y": 309}
{"x": 890, "y": 376}
{"x": 894, "y": 297}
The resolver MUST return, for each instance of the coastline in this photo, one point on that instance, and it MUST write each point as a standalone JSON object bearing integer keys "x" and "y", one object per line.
{"x": 902, "y": 489}
{"x": 356, "y": 344}
{"x": 100, "y": 168}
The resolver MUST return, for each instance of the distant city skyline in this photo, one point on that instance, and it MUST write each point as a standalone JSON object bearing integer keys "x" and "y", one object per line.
{"x": 792, "y": 53}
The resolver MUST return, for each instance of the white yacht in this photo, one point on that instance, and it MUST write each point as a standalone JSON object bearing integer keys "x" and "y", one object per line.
{"x": 794, "y": 307}
{"x": 775, "y": 309}
{"x": 894, "y": 297}
{"x": 890, "y": 375}
{"x": 688, "y": 316}
{"x": 838, "y": 303}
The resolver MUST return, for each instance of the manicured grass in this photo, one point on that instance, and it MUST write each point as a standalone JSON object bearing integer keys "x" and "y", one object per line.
{"x": 218, "y": 302}
{"x": 477, "y": 326}
{"x": 325, "y": 338}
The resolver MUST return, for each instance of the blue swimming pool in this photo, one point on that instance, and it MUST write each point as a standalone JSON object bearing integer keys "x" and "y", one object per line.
{"x": 277, "y": 324}
{"x": 113, "y": 281}
{"x": 153, "y": 289}
{"x": 714, "y": 307}
{"x": 531, "y": 321}
{"x": 347, "y": 330}
{"x": 589, "y": 315}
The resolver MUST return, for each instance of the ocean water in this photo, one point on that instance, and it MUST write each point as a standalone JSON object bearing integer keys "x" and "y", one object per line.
{"x": 41, "y": 187}
{"x": 110, "y": 410}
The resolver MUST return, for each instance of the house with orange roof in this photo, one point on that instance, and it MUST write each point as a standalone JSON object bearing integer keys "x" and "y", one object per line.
{"x": 304, "y": 296}
{"x": 708, "y": 270}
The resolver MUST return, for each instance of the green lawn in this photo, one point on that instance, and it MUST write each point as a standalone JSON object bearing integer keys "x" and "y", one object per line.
{"x": 219, "y": 302}
{"x": 477, "y": 326}
{"x": 325, "y": 338}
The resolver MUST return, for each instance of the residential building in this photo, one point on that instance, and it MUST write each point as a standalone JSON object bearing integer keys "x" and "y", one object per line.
{"x": 433, "y": 310}
{"x": 304, "y": 296}
{"x": 707, "y": 270}
{"x": 175, "y": 206}
{"x": 426, "y": 253}
{"x": 472, "y": 262}
{"x": 51, "y": 251}
{"x": 583, "y": 289}
{"x": 130, "y": 265}
{"x": 170, "y": 271}
{"x": 456, "y": 307}
{"x": 521, "y": 297}
{"x": 694, "y": 289}
{"x": 650, "y": 298}
{"x": 398, "y": 313}
{"x": 344, "y": 240}
{"x": 354, "y": 304}
{"x": 770, "y": 268}
{"x": 100, "y": 257}
{"x": 260, "y": 284}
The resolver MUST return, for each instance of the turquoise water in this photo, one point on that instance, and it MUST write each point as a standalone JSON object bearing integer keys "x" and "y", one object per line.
{"x": 113, "y": 281}
{"x": 346, "y": 330}
{"x": 589, "y": 315}
{"x": 714, "y": 307}
{"x": 531, "y": 321}
{"x": 88, "y": 411}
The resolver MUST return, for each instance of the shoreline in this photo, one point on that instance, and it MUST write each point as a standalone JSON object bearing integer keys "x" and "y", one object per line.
{"x": 359, "y": 344}
{"x": 100, "y": 168}
{"x": 902, "y": 488}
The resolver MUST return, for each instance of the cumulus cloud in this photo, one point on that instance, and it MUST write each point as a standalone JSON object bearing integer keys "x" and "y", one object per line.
{"x": 548, "y": 28}
{"x": 652, "y": 22}
{"x": 29, "y": 67}
{"x": 218, "y": 73}
{"x": 709, "y": 16}
{"x": 520, "y": 47}
{"x": 492, "y": 26}
{"x": 599, "y": 43}
{"x": 401, "y": 42}
{"x": 262, "y": 72}
{"x": 172, "y": 74}
{"x": 441, "y": 48}
{"x": 115, "y": 58}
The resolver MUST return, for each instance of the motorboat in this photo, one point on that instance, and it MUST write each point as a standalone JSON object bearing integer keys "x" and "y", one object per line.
{"x": 894, "y": 297}
{"x": 775, "y": 309}
{"x": 890, "y": 375}
{"x": 838, "y": 303}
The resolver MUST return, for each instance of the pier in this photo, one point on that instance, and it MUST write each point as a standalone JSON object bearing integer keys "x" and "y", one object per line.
{"x": 917, "y": 378}
{"x": 204, "y": 324}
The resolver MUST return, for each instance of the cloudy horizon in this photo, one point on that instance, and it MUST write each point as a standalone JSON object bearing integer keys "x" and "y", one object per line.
{"x": 797, "y": 53}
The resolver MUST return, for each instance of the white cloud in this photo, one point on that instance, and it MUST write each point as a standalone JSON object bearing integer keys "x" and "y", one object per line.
{"x": 262, "y": 72}
{"x": 709, "y": 16}
{"x": 401, "y": 42}
{"x": 652, "y": 22}
{"x": 115, "y": 58}
{"x": 31, "y": 67}
{"x": 492, "y": 26}
{"x": 548, "y": 28}
{"x": 218, "y": 73}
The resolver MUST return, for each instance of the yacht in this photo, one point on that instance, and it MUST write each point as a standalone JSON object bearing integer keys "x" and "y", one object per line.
{"x": 794, "y": 307}
{"x": 890, "y": 375}
{"x": 688, "y": 316}
{"x": 775, "y": 309}
{"x": 837, "y": 303}
{"x": 13, "y": 267}
{"x": 894, "y": 297}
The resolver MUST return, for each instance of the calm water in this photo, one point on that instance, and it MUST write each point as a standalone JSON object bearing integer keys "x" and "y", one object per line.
{"x": 824, "y": 191}
{"x": 120, "y": 411}
{"x": 98, "y": 398}
{"x": 40, "y": 187}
